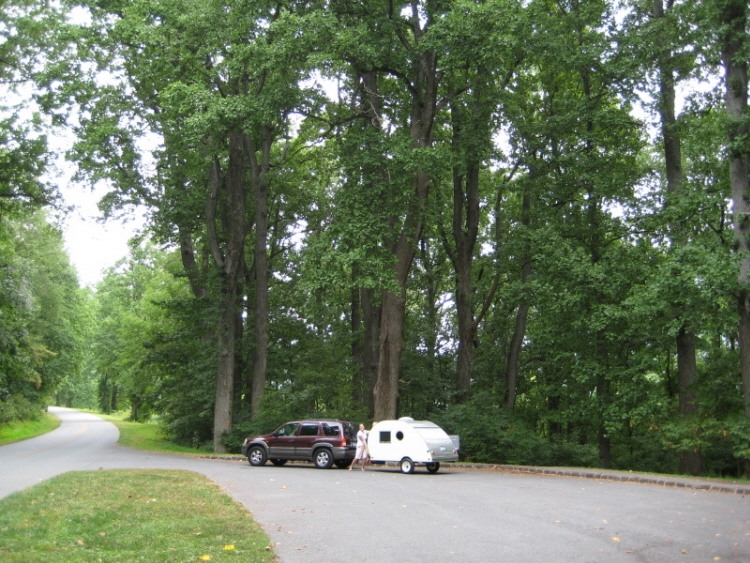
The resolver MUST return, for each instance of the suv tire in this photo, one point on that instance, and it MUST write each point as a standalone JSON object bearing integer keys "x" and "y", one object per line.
{"x": 323, "y": 458}
{"x": 256, "y": 456}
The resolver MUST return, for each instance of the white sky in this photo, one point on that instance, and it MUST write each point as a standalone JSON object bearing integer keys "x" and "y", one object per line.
{"x": 92, "y": 244}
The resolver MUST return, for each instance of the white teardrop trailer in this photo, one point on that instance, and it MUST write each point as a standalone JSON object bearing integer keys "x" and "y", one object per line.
{"x": 410, "y": 442}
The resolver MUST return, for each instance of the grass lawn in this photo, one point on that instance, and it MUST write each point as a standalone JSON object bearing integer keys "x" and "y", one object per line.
{"x": 144, "y": 436}
{"x": 127, "y": 516}
{"x": 17, "y": 431}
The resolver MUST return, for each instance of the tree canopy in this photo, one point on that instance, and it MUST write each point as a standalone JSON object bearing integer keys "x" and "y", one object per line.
{"x": 524, "y": 220}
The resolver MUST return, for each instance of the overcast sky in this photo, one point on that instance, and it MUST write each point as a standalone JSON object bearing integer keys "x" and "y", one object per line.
{"x": 93, "y": 246}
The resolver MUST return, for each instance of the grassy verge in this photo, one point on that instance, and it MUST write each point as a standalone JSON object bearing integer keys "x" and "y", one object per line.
{"x": 128, "y": 516}
{"x": 17, "y": 431}
{"x": 144, "y": 436}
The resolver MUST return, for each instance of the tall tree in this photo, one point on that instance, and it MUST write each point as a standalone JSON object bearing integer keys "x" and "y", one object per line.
{"x": 734, "y": 39}
{"x": 482, "y": 81}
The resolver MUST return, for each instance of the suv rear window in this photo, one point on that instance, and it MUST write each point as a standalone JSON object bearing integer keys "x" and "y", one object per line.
{"x": 331, "y": 430}
{"x": 309, "y": 430}
{"x": 349, "y": 431}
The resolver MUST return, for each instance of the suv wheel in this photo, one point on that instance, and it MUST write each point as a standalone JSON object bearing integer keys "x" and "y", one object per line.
{"x": 323, "y": 458}
{"x": 256, "y": 456}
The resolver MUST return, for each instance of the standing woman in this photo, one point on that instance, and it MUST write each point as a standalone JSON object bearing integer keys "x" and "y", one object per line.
{"x": 363, "y": 453}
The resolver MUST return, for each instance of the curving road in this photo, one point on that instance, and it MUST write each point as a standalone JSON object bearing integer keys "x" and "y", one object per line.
{"x": 456, "y": 515}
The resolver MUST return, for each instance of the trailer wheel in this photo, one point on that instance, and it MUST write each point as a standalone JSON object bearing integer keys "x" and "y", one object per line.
{"x": 433, "y": 467}
{"x": 407, "y": 466}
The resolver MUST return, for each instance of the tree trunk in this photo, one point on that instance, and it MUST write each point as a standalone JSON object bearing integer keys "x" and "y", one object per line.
{"x": 385, "y": 393}
{"x": 371, "y": 349}
{"x": 516, "y": 342}
{"x": 423, "y": 92}
{"x": 190, "y": 264}
{"x": 744, "y": 338}
{"x": 357, "y": 348}
{"x": 690, "y": 462}
{"x": 605, "y": 443}
{"x": 225, "y": 378}
{"x": 260, "y": 181}
{"x": 369, "y": 345}
{"x": 465, "y": 204}
{"x": 230, "y": 264}
{"x": 733, "y": 15}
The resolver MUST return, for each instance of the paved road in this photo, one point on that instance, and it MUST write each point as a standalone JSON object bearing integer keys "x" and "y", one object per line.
{"x": 456, "y": 515}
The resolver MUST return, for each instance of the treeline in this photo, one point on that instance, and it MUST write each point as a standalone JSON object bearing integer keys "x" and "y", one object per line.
{"x": 44, "y": 319}
{"x": 524, "y": 220}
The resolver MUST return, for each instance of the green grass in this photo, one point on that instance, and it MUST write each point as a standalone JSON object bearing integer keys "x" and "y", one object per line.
{"x": 127, "y": 516}
{"x": 144, "y": 436}
{"x": 17, "y": 431}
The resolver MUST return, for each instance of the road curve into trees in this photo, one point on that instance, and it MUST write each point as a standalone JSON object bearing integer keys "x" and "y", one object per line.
{"x": 380, "y": 515}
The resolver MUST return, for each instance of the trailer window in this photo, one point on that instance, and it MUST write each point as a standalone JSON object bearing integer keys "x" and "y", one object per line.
{"x": 385, "y": 436}
{"x": 399, "y": 435}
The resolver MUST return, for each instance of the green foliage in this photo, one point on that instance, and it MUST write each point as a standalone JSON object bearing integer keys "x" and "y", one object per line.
{"x": 43, "y": 325}
{"x": 575, "y": 219}
{"x": 491, "y": 434}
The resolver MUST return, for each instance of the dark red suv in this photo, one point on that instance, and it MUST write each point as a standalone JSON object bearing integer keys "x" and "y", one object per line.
{"x": 324, "y": 442}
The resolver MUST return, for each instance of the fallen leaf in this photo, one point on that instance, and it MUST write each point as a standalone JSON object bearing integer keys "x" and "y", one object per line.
{"x": 102, "y": 534}
{"x": 80, "y": 542}
{"x": 205, "y": 557}
{"x": 615, "y": 539}
{"x": 228, "y": 548}
{"x": 717, "y": 558}
{"x": 683, "y": 551}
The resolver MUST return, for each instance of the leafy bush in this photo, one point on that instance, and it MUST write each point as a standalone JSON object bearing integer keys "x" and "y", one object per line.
{"x": 492, "y": 434}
